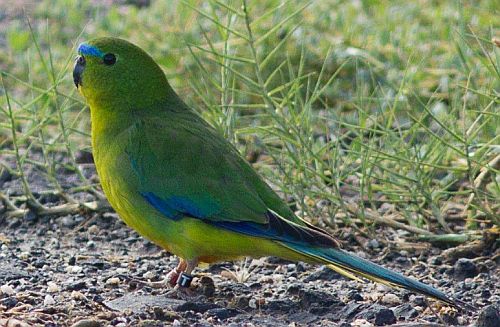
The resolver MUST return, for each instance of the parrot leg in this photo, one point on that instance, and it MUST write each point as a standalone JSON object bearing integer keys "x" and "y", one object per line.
{"x": 173, "y": 275}
{"x": 190, "y": 265}
{"x": 184, "y": 278}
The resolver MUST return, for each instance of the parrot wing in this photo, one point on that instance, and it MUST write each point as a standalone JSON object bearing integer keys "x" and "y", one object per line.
{"x": 186, "y": 169}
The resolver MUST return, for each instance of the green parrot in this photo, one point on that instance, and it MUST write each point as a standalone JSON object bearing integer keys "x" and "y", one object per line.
{"x": 176, "y": 181}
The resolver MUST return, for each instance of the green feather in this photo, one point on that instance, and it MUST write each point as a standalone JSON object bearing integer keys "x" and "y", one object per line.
{"x": 175, "y": 180}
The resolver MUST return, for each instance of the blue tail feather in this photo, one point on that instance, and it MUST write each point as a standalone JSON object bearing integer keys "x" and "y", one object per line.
{"x": 367, "y": 269}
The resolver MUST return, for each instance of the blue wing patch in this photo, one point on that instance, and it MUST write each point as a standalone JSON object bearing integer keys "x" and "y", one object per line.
{"x": 276, "y": 228}
{"x": 176, "y": 207}
{"x": 162, "y": 206}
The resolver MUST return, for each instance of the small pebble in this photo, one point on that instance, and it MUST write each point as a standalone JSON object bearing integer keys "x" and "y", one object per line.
{"x": 93, "y": 230}
{"x": 74, "y": 269}
{"x": 383, "y": 288}
{"x": 68, "y": 221}
{"x": 465, "y": 268}
{"x": 24, "y": 255}
{"x": 48, "y": 300}
{"x": 113, "y": 281}
{"x": 354, "y": 296}
{"x": 7, "y": 289}
{"x": 77, "y": 295}
{"x": 207, "y": 286}
{"x": 52, "y": 287}
{"x": 122, "y": 270}
{"x": 149, "y": 275}
{"x": 373, "y": 244}
{"x": 277, "y": 278}
{"x": 176, "y": 323}
{"x": 405, "y": 311}
{"x": 391, "y": 298}
{"x": 385, "y": 317}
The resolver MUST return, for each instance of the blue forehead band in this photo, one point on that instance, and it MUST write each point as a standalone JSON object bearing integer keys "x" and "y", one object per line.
{"x": 89, "y": 50}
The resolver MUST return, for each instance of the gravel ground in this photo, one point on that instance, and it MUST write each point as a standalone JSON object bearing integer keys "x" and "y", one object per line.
{"x": 95, "y": 271}
{"x": 90, "y": 270}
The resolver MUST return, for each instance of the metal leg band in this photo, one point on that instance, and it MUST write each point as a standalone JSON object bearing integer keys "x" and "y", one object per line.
{"x": 184, "y": 280}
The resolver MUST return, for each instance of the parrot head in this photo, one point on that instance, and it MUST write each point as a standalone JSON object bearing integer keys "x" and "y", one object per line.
{"x": 113, "y": 71}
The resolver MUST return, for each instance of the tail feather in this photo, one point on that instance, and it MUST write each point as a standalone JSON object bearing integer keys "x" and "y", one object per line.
{"x": 352, "y": 266}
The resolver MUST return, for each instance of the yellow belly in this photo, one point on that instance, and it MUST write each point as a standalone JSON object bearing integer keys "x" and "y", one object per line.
{"x": 188, "y": 238}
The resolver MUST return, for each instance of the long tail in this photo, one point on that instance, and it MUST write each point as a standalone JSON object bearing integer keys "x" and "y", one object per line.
{"x": 352, "y": 266}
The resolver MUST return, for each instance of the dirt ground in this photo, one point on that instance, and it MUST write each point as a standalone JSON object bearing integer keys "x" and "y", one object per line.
{"x": 58, "y": 271}
{"x": 89, "y": 269}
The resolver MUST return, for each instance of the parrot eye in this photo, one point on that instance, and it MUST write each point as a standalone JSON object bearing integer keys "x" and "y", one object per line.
{"x": 80, "y": 60}
{"x": 109, "y": 59}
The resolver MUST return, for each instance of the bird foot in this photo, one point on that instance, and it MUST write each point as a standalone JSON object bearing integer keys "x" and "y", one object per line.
{"x": 172, "y": 277}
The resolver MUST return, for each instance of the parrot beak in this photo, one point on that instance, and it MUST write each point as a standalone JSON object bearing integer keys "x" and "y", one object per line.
{"x": 78, "y": 70}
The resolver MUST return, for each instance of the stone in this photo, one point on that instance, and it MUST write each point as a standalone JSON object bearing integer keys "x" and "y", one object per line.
{"x": 354, "y": 296}
{"x": 308, "y": 297}
{"x": 385, "y": 317}
{"x": 350, "y": 310}
{"x": 391, "y": 298}
{"x": 465, "y": 268}
{"x": 6, "y": 289}
{"x": 373, "y": 244}
{"x": 489, "y": 317}
{"x": 206, "y": 286}
{"x": 48, "y": 300}
{"x": 68, "y": 221}
{"x": 405, "y": 311}
{"x": 113, "y": 281}
{"x": 139, "y": 303}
